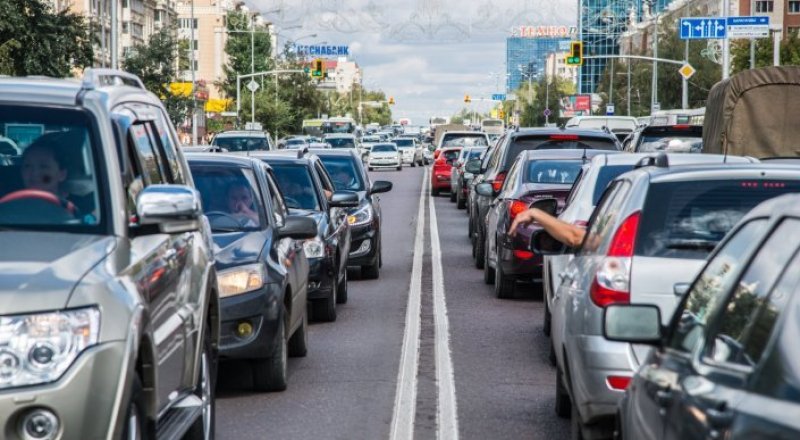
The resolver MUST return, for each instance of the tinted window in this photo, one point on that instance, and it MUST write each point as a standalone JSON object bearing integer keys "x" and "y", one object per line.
{"x": 450, "y": 154}
{"x": 296, "y": 185}
{"x": 552, "y": 171}
{"x": 383, "y": 148}
{"x": 148, "y": 154}
{"x": 492, "y": 123}
{"x": 688, "y": 219}
{"x": 407, "y": 143}
{"x": 245, "y": 143}
{"x": 710, "y": 286}
{"x": 341, "y": 142}
{"x": 749, "y": 316}
{"x": 523, "y": 143}
{"x": 230, "y": 196}
{"x": 670, "y": 143}
{"x": 343, "y": 172}
{"x": 279, "y": 211}
{"x": 170, "y": 146}
{"x": 472, "y": 153}
{"x": 605, "y": 176}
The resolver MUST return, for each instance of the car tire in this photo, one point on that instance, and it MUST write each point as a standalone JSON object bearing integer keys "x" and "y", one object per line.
{"x": 341, "y": 297}
{"x": 480, "y": 249}
{"x": 203, "y": 428}
{"x": 298, "y": 343}
{"x": 372, "y": 271}
{"x": 551, "y": 357}
{"x": 399, "y": 168}
{"x": 452, "y": 195}
{"x": 135, "y": 421}
{"x": 563, "y": 405}
{"x": 434, "y": 192}
{"x": 488, "y": 272}
{"x": 270, "y": 374}
{"x": 324, "y": 310}
{"x": 548, "y": 318}
{"x": 413, "y": 164}
{"x": 504, "y": 286}
{"x": 461, "y": 202}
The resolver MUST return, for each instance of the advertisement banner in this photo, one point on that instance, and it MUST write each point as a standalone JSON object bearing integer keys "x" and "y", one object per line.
{"x": 575, "y": 105}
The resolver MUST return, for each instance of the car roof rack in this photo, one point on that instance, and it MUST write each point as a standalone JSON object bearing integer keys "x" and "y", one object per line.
{"x": 95, "y": 78}
{"x": 660, "y": 160}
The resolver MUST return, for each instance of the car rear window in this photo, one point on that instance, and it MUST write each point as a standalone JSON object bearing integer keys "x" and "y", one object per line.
{"x": 404, "y": 142}
{"x": 450, "y": 154}
{"x": 688, "y": 219}
{"x": 245, "y": 143}
{"x": 464, "y": 140}
{"x": 681, "y": 142}
{"x": 552, "y": 171}
{"x": 555, "y": 142}
{"x": 604, "y": 177}
{"x": 341, "y": 142}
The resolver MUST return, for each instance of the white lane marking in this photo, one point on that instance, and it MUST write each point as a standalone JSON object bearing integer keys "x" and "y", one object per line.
{"x": 447, "y": 416}
{"x": 405, "y": 402}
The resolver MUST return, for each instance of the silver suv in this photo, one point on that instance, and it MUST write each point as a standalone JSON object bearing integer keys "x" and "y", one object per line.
{"x": 652, "y": 229}
{"x": 108, "y": 324}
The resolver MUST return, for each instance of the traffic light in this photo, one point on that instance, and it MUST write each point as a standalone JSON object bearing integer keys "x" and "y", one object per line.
{"x": 467, "y": 99}
{"x": 317, "y": 69}
{"x": 391, "y": 100}
{"x": 575, "y": 57}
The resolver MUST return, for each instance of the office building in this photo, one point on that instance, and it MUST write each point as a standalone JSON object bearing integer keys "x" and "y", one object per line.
{"x": 526, "y": 57}
{"x": 783, "y": 14}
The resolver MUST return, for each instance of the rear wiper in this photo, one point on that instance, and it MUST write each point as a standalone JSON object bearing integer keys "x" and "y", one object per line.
{"x": 691, "y": 244}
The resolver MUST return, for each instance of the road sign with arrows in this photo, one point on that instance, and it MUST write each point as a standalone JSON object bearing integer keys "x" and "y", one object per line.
{"x": 703, "y": 28}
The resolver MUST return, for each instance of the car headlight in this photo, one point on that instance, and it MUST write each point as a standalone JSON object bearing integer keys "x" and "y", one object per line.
{"x": 361, "y": 216}
{"x": 314, "y": 248}
{"x": 242, "y": 279}
{"x": 38, "y": 348}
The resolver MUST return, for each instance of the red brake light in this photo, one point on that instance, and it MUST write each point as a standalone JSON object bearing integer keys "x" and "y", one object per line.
{"x": 625, "y": 237}
{"x": 523, "y": 255}
{"x": 681, "y": 127}
{"x": 611, "y": 284}
{"x": 515, "y": 208}
{"x": 436, "y": 154}
{"x": 618, "y": 382}
{"x": 497, "y": 183}
{"x": 564, "y": 137}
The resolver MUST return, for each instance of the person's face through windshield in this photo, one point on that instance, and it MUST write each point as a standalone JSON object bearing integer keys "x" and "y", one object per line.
{"x": 240, "y": 201}
{"x": 41, "y": 169}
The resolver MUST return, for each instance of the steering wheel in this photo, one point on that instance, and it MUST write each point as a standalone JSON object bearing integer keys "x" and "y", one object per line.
{"x": 224, "y": 214}
{"x": 39, "y": 195}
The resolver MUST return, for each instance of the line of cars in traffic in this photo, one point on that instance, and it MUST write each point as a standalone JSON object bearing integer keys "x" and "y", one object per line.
{"x": 672, "y": 317}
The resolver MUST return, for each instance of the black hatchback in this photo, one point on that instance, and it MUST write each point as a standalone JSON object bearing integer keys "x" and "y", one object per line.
{"x": 727, "y": 365}
{"x": 348, "y": 174}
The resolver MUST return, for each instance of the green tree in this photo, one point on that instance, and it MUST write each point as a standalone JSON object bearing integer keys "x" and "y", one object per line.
{"x": 35, "y": 40}
{"x": 247, "y": 51}
{"x": 534, "y": 98}
{"x": 789, "y": 51}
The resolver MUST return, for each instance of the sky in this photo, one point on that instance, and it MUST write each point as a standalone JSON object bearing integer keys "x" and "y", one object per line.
{"x": 427, "y": 54}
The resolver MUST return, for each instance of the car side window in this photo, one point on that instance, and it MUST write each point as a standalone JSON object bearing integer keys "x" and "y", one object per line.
{"x": 170, "y": 146}
{"x": 604, "y": 219}
{"x": 512, "y": 176}
{"x": 149, "y": 159}
{"x": 575, "y": 186}
{"x": 279, "y": 211}
{"x": 749, "y": 315}
{"x": 709, "y": 288}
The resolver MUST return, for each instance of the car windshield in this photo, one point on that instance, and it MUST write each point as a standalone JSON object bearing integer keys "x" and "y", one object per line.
{"x": 343, "y": 172}
{"x": 242, "y": 143}
{"x": 464, "y": 140}
{"x": 48, "y": 170}
{"x": 296, "y": 185}
{"x": 383, "y": 148}
{"x": 552, "y": 171}
{"x": 673, "y": 144}
{"x": 230, "y": 196}
{"x": 604, "y": 177}
{"x": 404, "y": 143}
{"x": 341, "y": 142}
{"x": 370, "y": 139}
{"x": 688, "y": 219}
{"x": 558, "y": 142}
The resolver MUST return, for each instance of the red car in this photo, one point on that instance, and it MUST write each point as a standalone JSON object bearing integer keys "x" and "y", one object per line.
{"x": 442, "y": 166}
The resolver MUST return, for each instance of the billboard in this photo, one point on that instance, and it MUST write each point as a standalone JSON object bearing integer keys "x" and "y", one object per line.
{"x": 575, "y": 105}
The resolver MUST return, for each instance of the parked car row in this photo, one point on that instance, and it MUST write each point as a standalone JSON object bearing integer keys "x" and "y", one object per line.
{"x": 666, "y": 321}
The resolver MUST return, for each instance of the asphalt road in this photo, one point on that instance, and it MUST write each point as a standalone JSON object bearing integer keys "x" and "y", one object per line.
{"x": 346, "y": 388}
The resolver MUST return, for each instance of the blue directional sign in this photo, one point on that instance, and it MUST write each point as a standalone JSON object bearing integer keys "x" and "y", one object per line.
{"x": 748, "y": 21}
{"x": 499, "y": 97}
{"x": 748, "y": 27}
{"x": 702, "y": 28}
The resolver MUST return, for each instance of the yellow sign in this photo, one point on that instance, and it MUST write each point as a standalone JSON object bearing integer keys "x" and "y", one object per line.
{"x": 218, "y": 105}
{"x": 181, "y": 88}
{"x": 495, "y": 113}
{"x": 391, "y": 100}
{"x": 687, "y": 71}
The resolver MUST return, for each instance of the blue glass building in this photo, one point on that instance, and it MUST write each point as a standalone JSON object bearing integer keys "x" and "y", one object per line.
{"x": 528, "y": 55}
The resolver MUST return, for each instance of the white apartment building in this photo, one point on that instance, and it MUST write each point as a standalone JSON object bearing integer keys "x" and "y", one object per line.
{"x": 556, "y": 65}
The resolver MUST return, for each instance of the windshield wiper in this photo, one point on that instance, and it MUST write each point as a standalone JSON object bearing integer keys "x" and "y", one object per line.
{"x": 692, "y": 244}
{"x": 226, "y": 230}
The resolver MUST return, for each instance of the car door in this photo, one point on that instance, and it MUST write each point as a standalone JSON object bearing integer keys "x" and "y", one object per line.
{"x": 163, "y": 260}
{"x": 495, "y": 218}
{"x": 704, "y": 403}
{"x": 338, "y": 229}
{"x": 653, "y": 389}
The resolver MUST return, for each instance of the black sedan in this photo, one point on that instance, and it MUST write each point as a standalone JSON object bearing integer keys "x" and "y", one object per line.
{"x": 348, "y": 174}
{"x": 308, "y": 191}
{"x": 261, "y": 269}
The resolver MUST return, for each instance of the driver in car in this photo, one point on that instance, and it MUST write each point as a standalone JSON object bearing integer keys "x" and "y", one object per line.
{"x": 343, "y": 179}
{"x": 240, "y": 203}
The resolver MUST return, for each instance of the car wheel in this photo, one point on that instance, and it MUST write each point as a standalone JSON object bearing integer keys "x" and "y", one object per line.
{"x": 480, "y": 249}
{"x": 452, "y": 195}
{"x": 504, "y": 286}
{"x": 548, "y": 318}
{"x": 551, "y": 357}
{"x": 434, "y": 191}
{"x": 413, "y": 164}
{"x": 488, "y": 271}
{"x": 325, "y": 309}
{"x": 341, "y": 297}
{"x": 461, "y": 202}
{"x": 400, "y": 168}
{"x": 563, "y": 405}
{"x": 203, "y": 427}
{"x": 271, "y": 374}
{"x": 298, "y": 343}
{"x": 135, "y": 423}
{"x": 471, "y": 232}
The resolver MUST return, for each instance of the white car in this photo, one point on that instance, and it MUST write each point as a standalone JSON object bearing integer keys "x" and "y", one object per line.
{"x": 384, "y": 155}
{"x": 411, "y": 151}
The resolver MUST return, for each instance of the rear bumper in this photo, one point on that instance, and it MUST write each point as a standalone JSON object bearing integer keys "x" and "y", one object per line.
{"x": 440, "y": 180}
{"x": 526, "y": 269}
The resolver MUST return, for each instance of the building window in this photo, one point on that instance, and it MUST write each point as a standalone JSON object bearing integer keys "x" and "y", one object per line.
{"x": 764, "y": 5}
{"x": 793, "y": 30}
{"x": 196, "y": 45}
{"x": 186, "y": 23}
{"x": 794, "y": 7}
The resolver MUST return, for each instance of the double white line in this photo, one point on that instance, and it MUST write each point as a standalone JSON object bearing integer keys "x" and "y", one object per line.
{"x": 406, "y": 393}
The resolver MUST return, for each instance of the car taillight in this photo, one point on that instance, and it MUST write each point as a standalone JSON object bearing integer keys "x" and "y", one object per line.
{"x": 618, "y": 382}
{"x": 564, "y": 137}
{"x": 497, "y": 183}
{"x": 515, "y": 208}
{"x": 611, "y": 284}
{"x": 436, "y": 154}
{"x": 682, "y": 127}
{"x": 523, "y": 255}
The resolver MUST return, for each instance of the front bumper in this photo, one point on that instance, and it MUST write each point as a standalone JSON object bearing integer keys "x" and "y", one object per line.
{"x": 384, "y": 163}
{"x": 321, "y": 276}
{"x": 364, "y": 245}
{"x": 262, "y": 310}
{"x": 83, "y": 399}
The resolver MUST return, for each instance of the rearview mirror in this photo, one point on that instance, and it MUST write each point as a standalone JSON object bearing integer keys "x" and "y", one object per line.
{"x": 484, "y": 189}
{"x": 633, "y": 323}
{"x": 298, "y": 228}
{"x": 344, "y": 199}
{"x": 173, "y": 208}
{"x": 473, "y": 166}
{"x": 381, "y": 186}
{"x": 549, "y": 206}
{"x": 543, "y": 243}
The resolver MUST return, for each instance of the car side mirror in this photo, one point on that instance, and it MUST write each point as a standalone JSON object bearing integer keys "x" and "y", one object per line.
{"x": 172, "y": 208}
{"x": 548, "y": 205}
{"x": 473, "y": 166}
{"x": 380, "y": 186}
{"x": 298, "y": 228}
{"x": 633, "y": 323}
{"x": 485, "y": 189}
{"x": 543, "y": 243}
{"x": 344, "y": 199}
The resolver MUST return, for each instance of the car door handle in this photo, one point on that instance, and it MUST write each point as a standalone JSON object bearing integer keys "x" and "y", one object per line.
{"x": 664, "y": 397}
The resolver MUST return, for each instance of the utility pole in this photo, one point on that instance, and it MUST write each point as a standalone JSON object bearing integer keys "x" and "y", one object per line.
{"x": 654, "y": 83}
{"x": 114, "y": 29}
{"x": 726, "y": 47}
{"x": 629, "y": 87}
{"x": 611, "y": 85}
{"x": 685, "y": 90}
{"x": 776, "y": 47}
{"x": 191, "y": 61}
